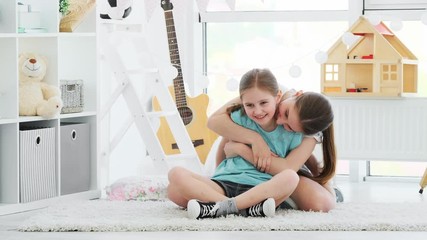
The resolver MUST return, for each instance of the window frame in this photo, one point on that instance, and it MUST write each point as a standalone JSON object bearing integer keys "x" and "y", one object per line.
{"x": 388, "y": 10}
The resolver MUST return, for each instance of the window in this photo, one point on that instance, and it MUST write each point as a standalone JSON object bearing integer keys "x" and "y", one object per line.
{"x": 389, "y": 72}
{"x": 278, "y": 5}
{"x": 331, "y": 72}
{"x": 417, "y": 47}
{"x": 287, "y": 42}
{"x": 395, "y": 4}
{"x": 234, "y": 48}
{"x": 397, "y": 169}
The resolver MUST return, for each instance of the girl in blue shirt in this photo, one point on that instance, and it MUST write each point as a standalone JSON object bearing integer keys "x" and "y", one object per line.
{"x": 238, "y": 187}
{"x": 309, "y": 113}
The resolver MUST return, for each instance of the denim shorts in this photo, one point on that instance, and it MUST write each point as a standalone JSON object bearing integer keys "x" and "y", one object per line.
{"x": 232, "y": 189}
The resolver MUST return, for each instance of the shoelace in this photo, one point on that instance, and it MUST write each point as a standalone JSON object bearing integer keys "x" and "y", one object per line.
{"x": 209, "y": 210}
{"x": 255, "y": 210}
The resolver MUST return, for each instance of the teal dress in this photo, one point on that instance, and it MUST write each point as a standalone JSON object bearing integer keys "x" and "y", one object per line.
{"x": 238, "y": 170}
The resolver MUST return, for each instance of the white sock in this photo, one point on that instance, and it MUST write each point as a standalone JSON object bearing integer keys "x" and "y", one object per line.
{"x": 226, "y": 207}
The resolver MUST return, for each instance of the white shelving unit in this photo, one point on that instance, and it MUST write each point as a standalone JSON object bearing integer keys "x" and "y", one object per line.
{"x": 70, "y": 56}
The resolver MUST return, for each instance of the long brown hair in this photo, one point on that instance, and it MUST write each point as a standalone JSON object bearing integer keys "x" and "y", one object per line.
{"x": 316, "y": 115}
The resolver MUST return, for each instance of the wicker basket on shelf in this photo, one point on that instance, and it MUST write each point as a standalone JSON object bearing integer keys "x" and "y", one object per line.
{"x": 72, "y": 96}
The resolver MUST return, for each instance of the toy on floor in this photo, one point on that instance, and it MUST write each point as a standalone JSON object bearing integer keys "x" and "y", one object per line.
{"x": 423, "y": 182}
{"x": 36, "y": 97}
{"x": 138, "y": 188}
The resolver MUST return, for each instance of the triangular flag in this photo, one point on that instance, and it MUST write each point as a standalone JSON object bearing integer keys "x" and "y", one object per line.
{"x": 150, "y": 5}
{"x": 202, "y": 5}
{"x": 231, "y": 4}
{"x": 179, "y": 7}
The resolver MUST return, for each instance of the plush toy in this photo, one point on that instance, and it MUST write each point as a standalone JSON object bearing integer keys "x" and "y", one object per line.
{"x": 138, "y": 188}
{"x": 36, "y": 98}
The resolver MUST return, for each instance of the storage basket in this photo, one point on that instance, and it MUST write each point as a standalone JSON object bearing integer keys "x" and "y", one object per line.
{"x": 75, "y": 157}
{"x": 37, "y": 163}
{"x": 72, "y": 96}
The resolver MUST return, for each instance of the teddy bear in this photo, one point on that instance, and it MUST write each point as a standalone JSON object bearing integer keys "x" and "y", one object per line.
{"x": 36, "y": 97}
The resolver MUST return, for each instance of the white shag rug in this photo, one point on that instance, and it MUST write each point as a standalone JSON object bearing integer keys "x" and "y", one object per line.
{"x": 126, "y": 216}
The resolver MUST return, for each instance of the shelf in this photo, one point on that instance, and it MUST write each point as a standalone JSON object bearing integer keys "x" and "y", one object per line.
{"x": 8, "y": 35}
{"x": 36, "y": 35}
{"x": 359, "y": 61}
{"x": 362, "y": 94}
{"x": 76, "y": 115}
{"x": 7, "y": 120}
{"x": 70, "y": 55}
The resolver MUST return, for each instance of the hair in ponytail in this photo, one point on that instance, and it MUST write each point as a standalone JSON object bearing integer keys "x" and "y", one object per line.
{"x": 316, "y": 115}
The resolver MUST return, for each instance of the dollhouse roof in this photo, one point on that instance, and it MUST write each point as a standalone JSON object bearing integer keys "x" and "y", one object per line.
{"x": 379, "y": 40}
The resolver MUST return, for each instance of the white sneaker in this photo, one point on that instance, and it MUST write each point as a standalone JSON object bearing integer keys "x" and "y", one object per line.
{"x": 198, "y": 210}
{"x": 266, "y": 208}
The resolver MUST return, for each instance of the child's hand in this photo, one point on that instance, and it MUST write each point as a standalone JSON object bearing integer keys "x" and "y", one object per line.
{"x": 264, "y": 164}
{"x": 260, "y": 152}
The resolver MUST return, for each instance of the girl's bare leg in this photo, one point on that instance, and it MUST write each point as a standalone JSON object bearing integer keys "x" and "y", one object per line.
{"x": 310, "y": 195}
{"x": 279, "y": 187}
{"x": 185, "y": 185}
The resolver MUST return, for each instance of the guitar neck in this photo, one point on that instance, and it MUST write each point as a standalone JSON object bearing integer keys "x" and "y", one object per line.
{"x": 178, "y": 82}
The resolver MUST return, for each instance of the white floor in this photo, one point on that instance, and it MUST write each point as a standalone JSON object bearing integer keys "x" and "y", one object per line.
{"x": 354, "y": 192}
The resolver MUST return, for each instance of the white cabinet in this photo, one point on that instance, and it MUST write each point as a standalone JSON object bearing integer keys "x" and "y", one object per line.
{"x": 70, "y": 56}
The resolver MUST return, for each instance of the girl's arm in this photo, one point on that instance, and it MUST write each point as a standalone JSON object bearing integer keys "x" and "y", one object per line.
{"x": 295, "y": 159}
{"x": 221, "y": 123}
{"x": 233, "y": 149}
{"x": 220, "y": 153}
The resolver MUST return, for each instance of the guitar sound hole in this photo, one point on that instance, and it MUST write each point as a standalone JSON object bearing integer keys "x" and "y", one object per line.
{"x": 186, "y": 114}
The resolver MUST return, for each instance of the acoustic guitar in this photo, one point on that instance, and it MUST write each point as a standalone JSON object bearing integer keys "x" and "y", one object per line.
{"x": 191, "y": 110}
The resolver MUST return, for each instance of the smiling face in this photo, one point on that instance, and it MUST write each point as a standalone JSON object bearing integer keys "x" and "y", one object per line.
{"x": 260, "y": 106}
{"x": 288, "y": 115}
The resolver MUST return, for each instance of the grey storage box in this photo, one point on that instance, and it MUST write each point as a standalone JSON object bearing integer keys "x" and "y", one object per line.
{"x": 75, "y": 157}
{"x": 72, "y": 96}
{"x": 37, "y": 165}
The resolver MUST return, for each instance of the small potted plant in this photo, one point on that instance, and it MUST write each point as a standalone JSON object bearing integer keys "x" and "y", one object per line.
{"x": 63, "y": 7}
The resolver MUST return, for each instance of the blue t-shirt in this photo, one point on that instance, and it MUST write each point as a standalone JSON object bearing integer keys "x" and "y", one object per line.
{"x": 238, "y": 170}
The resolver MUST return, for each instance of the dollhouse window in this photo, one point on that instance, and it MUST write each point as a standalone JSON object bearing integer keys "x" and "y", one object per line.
{"x": 389, "y": 72}
{"x": 331, "y": 72}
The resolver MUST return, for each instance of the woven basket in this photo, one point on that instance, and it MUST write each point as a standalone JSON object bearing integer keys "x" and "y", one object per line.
{"x": 72, "y": 96}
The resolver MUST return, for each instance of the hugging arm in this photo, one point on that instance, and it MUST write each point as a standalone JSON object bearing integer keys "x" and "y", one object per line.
{"x": 294, "y": 160}
{"x": 221, "y": 123}
{"x": 233, "y": 149}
